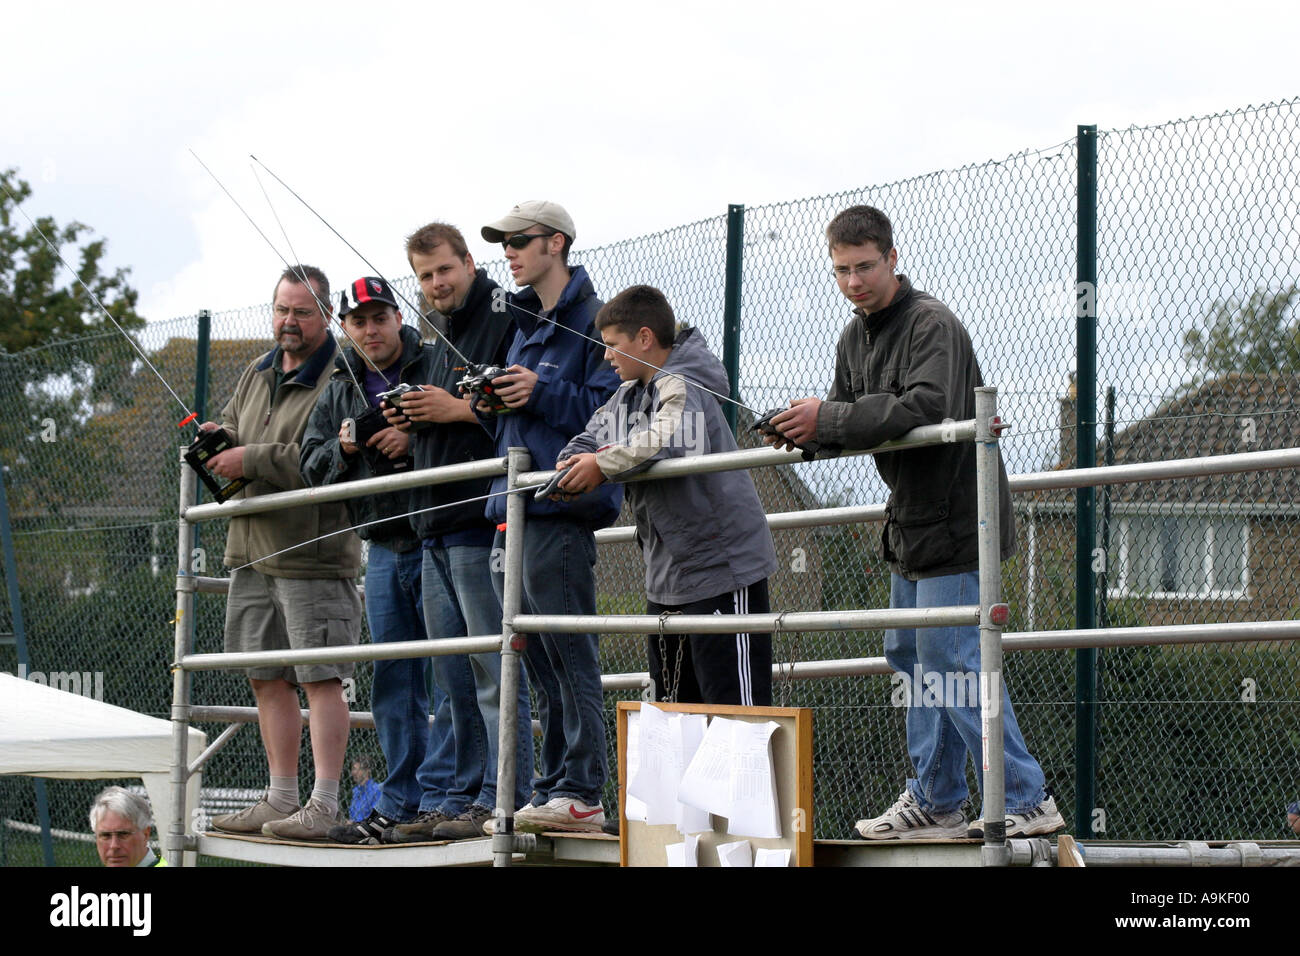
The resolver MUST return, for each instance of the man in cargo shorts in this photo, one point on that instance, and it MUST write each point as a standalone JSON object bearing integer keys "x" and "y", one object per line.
{"x": 282, "y": 595}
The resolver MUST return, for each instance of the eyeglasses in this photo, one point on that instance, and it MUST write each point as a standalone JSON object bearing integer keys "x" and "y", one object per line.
{"x": 107, "y": 836}
{"x": 844, "y": 273}
{"x": 520, "y": 240}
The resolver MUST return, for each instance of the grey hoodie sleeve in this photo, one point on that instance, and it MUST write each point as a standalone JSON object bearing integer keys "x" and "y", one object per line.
{"x": 644, "y": 443}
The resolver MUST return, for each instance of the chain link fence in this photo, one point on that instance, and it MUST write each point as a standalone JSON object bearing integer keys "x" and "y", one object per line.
{"x": 1198, "y": 354}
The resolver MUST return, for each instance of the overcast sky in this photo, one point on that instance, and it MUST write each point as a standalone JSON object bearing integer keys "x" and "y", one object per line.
{"x": 636, "y": 118}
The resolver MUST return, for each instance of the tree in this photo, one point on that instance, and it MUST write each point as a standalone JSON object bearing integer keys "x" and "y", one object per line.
{"x": 61, "y": 359}
{"x": 1255, "y": 337}
{"x": 36, "y": 308}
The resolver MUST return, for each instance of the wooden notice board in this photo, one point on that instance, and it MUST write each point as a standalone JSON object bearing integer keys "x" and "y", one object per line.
{"x": 792, "y": 749}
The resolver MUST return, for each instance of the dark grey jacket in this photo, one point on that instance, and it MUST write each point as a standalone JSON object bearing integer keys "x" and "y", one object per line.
{"x": 700, "y": 535}
{"x": 907, "y": 365}
{"x": 323, "y": 462}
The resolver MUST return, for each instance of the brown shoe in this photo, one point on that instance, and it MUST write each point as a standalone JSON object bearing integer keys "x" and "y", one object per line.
{"x": 419, "y": 830}
{"x": 250, "y": 819}
{"x": 467, "y": 826}
{"x": 312, "y": 822}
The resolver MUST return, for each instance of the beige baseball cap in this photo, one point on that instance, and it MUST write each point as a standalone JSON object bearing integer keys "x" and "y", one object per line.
{"x": 534, "y": 212}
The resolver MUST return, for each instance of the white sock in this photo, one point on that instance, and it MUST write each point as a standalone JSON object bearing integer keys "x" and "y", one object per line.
{"x": 326, "y": 793}
{"x": 283, "y": 794}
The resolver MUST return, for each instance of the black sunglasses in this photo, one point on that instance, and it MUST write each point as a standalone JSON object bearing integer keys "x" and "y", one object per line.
{"x": 520, "y": 240}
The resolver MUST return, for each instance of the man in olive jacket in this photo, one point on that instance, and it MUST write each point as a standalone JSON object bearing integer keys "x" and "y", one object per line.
{"x": 290, "y": 586}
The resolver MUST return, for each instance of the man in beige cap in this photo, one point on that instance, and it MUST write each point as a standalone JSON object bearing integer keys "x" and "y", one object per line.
{"x": 556, "y": 379}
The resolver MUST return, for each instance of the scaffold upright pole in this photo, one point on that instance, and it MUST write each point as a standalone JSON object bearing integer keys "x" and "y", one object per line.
{"x": 174, "y": 845}
{"x": 503, "y": 839}
{"x": 992, "y": 617}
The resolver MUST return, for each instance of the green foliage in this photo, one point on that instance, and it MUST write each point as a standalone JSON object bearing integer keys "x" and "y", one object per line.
{"x": 1252, "y": 337}
{"x": 51, "y": 393}
{"x": 37, "y": 305}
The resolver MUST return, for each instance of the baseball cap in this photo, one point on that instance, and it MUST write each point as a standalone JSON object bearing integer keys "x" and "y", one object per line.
{"x": 368, "y": 289}
{"x": 534, "y": 212}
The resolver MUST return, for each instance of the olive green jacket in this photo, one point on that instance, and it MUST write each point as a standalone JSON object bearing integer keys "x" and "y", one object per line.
{"x": 269, "y": 422}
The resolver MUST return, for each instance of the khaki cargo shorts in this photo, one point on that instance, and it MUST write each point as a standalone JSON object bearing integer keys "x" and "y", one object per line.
{"x": 266, "y": 613}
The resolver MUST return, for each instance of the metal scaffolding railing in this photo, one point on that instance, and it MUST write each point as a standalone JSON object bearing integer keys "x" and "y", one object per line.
{"x": 990, "y": 614}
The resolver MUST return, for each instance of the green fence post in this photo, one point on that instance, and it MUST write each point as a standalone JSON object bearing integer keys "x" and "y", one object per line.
{"x": 202, "y": 362}
{"x": 1085, "y": 661}
{"x": 1108, "y": 458}
{"x": 731, "y": 306}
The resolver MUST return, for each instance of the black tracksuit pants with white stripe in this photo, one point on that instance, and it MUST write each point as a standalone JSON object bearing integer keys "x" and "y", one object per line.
{"x": 716, "y": 668}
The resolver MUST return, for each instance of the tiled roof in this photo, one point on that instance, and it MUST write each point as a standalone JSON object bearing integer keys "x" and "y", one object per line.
{"x": 1228, "y": 415}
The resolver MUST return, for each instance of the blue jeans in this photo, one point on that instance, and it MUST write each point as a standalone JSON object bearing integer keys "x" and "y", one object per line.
{"x": 421, "y": 763}
{"x": 943, "y": 726}
{"x": 459, "y": 601}
{"x": 564, "y": 669}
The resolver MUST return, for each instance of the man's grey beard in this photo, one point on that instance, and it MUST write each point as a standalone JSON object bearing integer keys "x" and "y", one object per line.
{"x": 302, "y": 345}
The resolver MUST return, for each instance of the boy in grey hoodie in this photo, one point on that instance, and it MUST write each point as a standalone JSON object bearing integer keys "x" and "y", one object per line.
{"x": 704, "y": 537}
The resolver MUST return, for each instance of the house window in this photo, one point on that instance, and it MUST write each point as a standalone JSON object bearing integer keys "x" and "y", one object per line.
{"x": 1188, "y": 556}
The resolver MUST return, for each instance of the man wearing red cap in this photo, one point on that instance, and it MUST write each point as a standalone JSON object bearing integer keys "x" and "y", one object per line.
{"x": 348, "y": 439}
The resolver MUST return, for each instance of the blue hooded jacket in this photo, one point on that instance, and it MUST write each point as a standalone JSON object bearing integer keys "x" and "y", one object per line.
{"x": 573, "y": 380}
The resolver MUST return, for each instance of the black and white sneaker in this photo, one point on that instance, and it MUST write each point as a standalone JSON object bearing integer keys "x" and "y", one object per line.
{"x": 1036, "y": 821}
{"x": 367, "y": 832}
{"x": 908, "y": 820}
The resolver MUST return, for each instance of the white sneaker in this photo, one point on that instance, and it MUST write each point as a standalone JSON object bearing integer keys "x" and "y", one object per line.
{"x": 908, "y": 820}
{"x": 1036, "y": 821}
{"x": 561, "y": 813}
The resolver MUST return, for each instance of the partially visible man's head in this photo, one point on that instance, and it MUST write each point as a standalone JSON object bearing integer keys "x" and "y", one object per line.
{"x": 296, "y": 318}
{"x": 121, "y": 822}
{"x": 442, "y": 265}
{"x": 360, "y": 769}
{"x": 638, "y": 328}
{"x": 858, "y": 225}
{"x": 373, "y": 323}
{"x": 637, "y": 307}
{"x": 863, "y": 257}
{"x": 536, "y": 236}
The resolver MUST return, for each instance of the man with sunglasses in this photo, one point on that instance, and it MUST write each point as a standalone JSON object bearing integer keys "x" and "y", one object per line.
{"x": 555, "y": 380}
{"x": 904, "y": 361}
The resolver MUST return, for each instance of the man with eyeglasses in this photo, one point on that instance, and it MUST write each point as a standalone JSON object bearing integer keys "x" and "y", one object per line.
{"x": 556, "y": 379}
{"x": 282, "y": 595}
{"x": 122, "y": 822}
{"x": 904, "y": 361}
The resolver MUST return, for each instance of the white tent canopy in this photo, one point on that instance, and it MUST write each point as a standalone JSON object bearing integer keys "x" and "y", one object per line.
{"x": 47, "y": 732}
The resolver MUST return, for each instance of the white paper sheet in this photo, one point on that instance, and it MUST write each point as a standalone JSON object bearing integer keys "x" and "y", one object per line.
{"x": 687, "y": 732}
{"x": 731, "y": 776}
{"x": 633, "y": 808}
{"x": 655, "y": 783}
{"x": 684, "y": 853}
{"x": 735, "y": 854}
{"x": 766, "y": 857}
{"x": 707, "y": 781}
{"x": 754, "y": 809}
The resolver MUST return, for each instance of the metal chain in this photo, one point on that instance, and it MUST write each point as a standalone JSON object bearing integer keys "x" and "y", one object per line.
{"x": 669, "y": 689}
{"x": 786, "y": 673}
